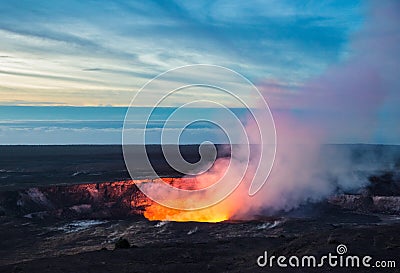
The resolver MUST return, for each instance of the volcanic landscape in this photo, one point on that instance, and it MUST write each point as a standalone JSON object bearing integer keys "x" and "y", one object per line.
{"x": 67, "y": 208}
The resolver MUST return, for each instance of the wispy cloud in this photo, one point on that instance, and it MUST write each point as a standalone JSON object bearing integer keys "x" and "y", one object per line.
{"x": 81, "y": 47}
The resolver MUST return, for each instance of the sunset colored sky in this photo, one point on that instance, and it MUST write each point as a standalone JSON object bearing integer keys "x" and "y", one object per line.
{"x": 333, "y": 63}
{"x": 100, "y": 52}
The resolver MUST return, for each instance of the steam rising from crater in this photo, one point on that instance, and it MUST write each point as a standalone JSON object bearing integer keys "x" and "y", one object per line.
{"x": 345, "y": 102}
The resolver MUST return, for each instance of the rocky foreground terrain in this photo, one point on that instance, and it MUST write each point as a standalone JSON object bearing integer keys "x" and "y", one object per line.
{"x": 32, "y": 245}
{"x": 74, "y": 228}
{"x": 51, "y": 223}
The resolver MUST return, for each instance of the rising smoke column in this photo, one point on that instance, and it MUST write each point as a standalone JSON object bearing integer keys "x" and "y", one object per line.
{"x": 345, "y": 102}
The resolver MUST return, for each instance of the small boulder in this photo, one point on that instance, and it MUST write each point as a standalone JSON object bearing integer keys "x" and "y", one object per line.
{"x": 122, "y": 243}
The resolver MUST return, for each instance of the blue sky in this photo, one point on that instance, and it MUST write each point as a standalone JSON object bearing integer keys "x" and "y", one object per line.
{"x": 100, "y": 53}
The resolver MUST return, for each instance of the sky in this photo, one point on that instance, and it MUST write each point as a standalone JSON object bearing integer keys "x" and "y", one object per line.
{"x": 100, "y": 53}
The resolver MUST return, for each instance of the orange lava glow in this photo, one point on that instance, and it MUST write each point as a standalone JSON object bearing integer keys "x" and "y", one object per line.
{"x": 213, "y": 214}
{"x": 210, "y": 215}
